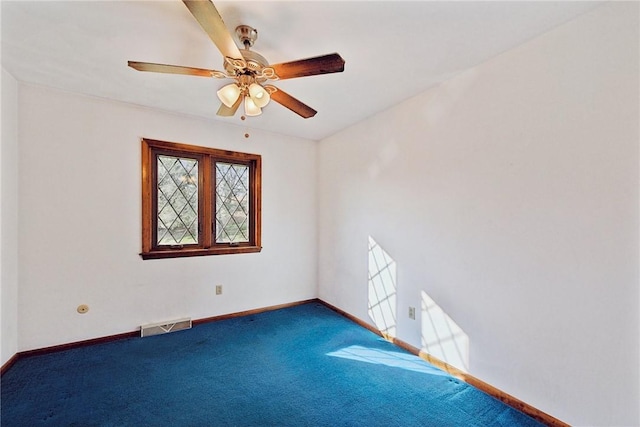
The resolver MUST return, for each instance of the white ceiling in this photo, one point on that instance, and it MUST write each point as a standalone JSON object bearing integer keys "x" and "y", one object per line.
{"x": 393, "y": 50}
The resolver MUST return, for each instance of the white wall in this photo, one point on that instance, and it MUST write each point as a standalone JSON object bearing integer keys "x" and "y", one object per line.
{"x": 9, "y": 219}
{"x": 80, "y": 222}
{"x": 509, "y": 194}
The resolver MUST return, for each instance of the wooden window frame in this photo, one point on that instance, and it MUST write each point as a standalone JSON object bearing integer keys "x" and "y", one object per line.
{"x": 207, "y": 158}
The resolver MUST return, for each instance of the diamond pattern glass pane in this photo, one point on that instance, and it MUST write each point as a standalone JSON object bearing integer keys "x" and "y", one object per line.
{"x": 232, "y": 203}
{"x": 177, "y": 201}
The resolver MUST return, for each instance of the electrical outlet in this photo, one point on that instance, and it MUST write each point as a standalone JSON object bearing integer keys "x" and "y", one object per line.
{"x": 218, "y": 289}
{"x": 412, "y": 313}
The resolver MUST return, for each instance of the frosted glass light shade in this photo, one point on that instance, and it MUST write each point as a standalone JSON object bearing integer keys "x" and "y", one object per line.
{"x": 229, "y": 94}
{"x": 259, "y": 95}
{"x": 250, "y": 107}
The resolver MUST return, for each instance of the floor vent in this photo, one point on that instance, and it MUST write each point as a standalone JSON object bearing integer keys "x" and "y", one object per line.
{"x": 165, "y": 327}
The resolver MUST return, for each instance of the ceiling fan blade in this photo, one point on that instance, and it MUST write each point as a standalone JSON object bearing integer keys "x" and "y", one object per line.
{"x": 211, "y": 22}
{"x": 225, "y": 111}
{"x": 325, "y": 64}
{"x": 291, "y": 103}
{"x": 175, "y": 69}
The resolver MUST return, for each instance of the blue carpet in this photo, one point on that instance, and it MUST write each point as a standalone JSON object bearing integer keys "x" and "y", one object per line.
{"x": 299, "y": 366}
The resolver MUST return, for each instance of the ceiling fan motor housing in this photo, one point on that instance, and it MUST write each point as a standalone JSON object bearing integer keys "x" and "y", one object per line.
{"x": 254, "y": 61}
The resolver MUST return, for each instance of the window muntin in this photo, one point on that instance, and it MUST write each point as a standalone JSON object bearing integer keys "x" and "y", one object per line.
{"x": 199, "y": 201}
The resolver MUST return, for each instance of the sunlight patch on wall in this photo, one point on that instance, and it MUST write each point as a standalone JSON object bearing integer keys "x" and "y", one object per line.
{"x": 442, "y": 337}
{"x": 382, "y": 289}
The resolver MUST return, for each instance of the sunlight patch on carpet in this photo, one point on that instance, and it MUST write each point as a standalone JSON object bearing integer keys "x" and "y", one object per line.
{"x": 392, "y": 359}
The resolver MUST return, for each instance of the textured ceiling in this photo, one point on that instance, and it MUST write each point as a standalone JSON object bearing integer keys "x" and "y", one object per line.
{"x": 393, "y": 50}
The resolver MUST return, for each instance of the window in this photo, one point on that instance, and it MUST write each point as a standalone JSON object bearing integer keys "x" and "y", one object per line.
{"x": 199, "y": 201}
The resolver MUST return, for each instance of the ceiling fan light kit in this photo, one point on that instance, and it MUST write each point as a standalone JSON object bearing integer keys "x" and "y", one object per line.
{"x": 229, "y": 94}
{"x": 250, "y": 107}
{"x": 259, "y": 95}
{"x": 255, "y": 96}
{"x": 249, "y": 69}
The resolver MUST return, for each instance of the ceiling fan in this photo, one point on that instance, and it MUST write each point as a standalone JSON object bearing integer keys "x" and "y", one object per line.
{"x": 249, "y": 69}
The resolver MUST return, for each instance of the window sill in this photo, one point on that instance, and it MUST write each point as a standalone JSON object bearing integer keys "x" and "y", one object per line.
{"x": 180, "y": 253}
